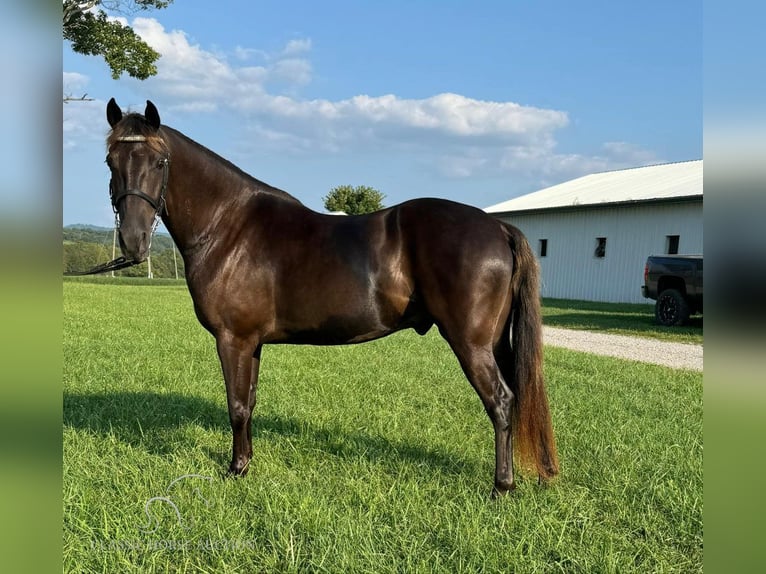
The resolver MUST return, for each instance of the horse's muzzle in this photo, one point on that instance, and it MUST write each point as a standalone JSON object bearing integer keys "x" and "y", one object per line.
{"x": 134, "y": 243}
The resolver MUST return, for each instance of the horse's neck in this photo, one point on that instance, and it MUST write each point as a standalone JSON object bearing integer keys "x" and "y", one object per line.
{"x": 206, "y": 192}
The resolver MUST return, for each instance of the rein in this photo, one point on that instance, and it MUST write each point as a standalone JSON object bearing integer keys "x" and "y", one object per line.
{"x": 159, "y": 206}
{"x": 113, "y": 265}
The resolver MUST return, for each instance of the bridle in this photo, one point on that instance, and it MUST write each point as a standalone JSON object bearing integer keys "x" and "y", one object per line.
{"x": 159, "y": 206}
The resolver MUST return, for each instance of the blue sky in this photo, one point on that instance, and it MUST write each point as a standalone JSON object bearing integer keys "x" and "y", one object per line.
{"x": 476, "y": 102}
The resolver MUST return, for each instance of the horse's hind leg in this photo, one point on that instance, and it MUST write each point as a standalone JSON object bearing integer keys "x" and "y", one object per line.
{"x": 481, "y": 369}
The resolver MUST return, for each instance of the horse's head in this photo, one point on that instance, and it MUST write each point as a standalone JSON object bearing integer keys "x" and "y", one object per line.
{"x": 140, "y": 162}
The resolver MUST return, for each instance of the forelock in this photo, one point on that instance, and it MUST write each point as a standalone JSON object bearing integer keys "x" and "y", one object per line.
{"x": 134, "y": 127}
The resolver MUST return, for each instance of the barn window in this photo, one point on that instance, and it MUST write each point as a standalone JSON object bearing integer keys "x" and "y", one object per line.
{"x": 543, "y": 248}
{"x": 600, "y": 251}
{"x": 671, "y": 244}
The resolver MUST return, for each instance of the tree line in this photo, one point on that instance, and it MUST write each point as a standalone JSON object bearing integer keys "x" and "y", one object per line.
{"x": 86, "y": 246}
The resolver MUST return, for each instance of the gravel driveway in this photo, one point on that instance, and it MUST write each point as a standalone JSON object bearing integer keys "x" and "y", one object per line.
{"x": 674, "y": 355}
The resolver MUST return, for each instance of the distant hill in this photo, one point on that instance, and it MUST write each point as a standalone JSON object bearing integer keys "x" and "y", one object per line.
{"x": 86, "y": 246}
{"x": 103, "y": 236}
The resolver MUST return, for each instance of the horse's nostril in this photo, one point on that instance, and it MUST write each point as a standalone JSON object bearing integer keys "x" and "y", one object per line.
{"x": 134, "y": 242}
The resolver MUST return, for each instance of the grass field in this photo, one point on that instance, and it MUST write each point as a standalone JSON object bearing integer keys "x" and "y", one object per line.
{"x": 620, "y": 319}
{"x": 369, "y": 458}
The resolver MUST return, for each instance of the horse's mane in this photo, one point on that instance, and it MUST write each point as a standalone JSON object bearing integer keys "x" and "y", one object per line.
{"x": 135, "y": 124}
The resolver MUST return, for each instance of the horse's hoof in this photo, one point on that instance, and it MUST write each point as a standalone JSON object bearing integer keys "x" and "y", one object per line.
{"x": 237, "y": 470}
{"x": 498, "y": 493}
{"x": 502, "y": 489}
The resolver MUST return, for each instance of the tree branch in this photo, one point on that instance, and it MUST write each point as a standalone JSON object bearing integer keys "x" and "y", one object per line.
{"x": 70, "y": 98}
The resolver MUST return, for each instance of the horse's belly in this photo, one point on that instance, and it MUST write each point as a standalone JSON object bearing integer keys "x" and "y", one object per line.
{"x": 337, "y": 321}
{"x": 331, "y": 304}
{"x": 332, "y": 330}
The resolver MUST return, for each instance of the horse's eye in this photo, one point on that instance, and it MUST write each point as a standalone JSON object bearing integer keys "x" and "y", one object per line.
{"x": 161, "y": 163}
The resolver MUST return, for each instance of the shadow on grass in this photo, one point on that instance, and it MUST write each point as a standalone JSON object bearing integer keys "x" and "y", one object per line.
{"x": 158, "y": 422}
{"x": 624, "y": 318}
{"x": 601, "y": 322}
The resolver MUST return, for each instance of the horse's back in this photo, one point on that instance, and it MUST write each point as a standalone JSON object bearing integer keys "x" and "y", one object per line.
{"x": 451, "y": 235}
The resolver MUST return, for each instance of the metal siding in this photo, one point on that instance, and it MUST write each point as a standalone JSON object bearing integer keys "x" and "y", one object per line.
{"x": 571, "y": 271}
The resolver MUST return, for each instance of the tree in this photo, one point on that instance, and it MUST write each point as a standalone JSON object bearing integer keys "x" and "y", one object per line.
{"x": 82, "y": 255}
{"x": 87, "y": 26}
{"x": 353, "y": 200}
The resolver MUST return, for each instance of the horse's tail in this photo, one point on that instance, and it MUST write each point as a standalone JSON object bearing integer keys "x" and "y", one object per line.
{"x": 532, "y": 428}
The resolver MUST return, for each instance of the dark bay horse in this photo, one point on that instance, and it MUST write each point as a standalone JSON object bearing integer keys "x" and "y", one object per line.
{"x": 263, "y": 268}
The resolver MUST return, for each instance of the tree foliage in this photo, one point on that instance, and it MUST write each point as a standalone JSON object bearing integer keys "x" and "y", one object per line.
{"x": 79, "y": 256}
{"x": 354, "y": 200}
{"x": 87, "y": 25}
{"x": 104, "y": 236}
{"x": 86, "y": 246}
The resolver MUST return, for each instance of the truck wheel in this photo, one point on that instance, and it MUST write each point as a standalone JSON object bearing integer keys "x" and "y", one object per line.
{"x": 671, "y": 308}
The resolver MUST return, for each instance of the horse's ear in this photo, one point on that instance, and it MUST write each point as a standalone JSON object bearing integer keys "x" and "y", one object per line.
{"x": 113, "y": 113}
{"x": 152, "y": 115}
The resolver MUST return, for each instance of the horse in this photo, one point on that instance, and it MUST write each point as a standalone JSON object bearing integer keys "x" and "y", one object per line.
{"x": 262, "y": 269}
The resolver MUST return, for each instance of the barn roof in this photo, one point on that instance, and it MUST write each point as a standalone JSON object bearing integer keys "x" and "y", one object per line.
{"x": 665, "y": 182}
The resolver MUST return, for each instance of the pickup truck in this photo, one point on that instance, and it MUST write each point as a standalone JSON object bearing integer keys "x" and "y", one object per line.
{"x": 675, "y": 282}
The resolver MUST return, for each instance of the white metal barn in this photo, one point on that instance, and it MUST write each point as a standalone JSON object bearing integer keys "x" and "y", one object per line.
{"x": 592, "y": 235}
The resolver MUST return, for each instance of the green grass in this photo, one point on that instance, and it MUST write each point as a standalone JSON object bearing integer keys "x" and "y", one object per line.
{"x": 618, "y": 318}
{"x": 368, "y": 458}
{"x": 103, "y": 279}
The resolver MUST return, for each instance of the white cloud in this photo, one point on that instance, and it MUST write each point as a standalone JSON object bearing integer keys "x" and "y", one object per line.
{"x": 292, "y": 49}
{"x": 298, "y": 46}
{"x": 190, "y": 73}
{"x": 552, "y": 167}
{"x": 630, "y": 154}
{"x": 293, "y": 71}
{"x": 458, "y": 115}
{"x": 472, "y": 136}
{"x": 242, "y": 53}
{"x": 187, "y": 72}
{"x": 74, "y": 81}
{"x": 78, "y": 121}
{"x": 464, "y": 164}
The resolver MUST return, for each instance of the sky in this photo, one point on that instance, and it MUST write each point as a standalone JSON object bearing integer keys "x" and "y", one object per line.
{"x": 477, "y": 102}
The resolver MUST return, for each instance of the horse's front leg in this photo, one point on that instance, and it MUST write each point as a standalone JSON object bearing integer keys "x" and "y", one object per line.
{"x": 253, "y": 389}
{"x": 237, "y": 361}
